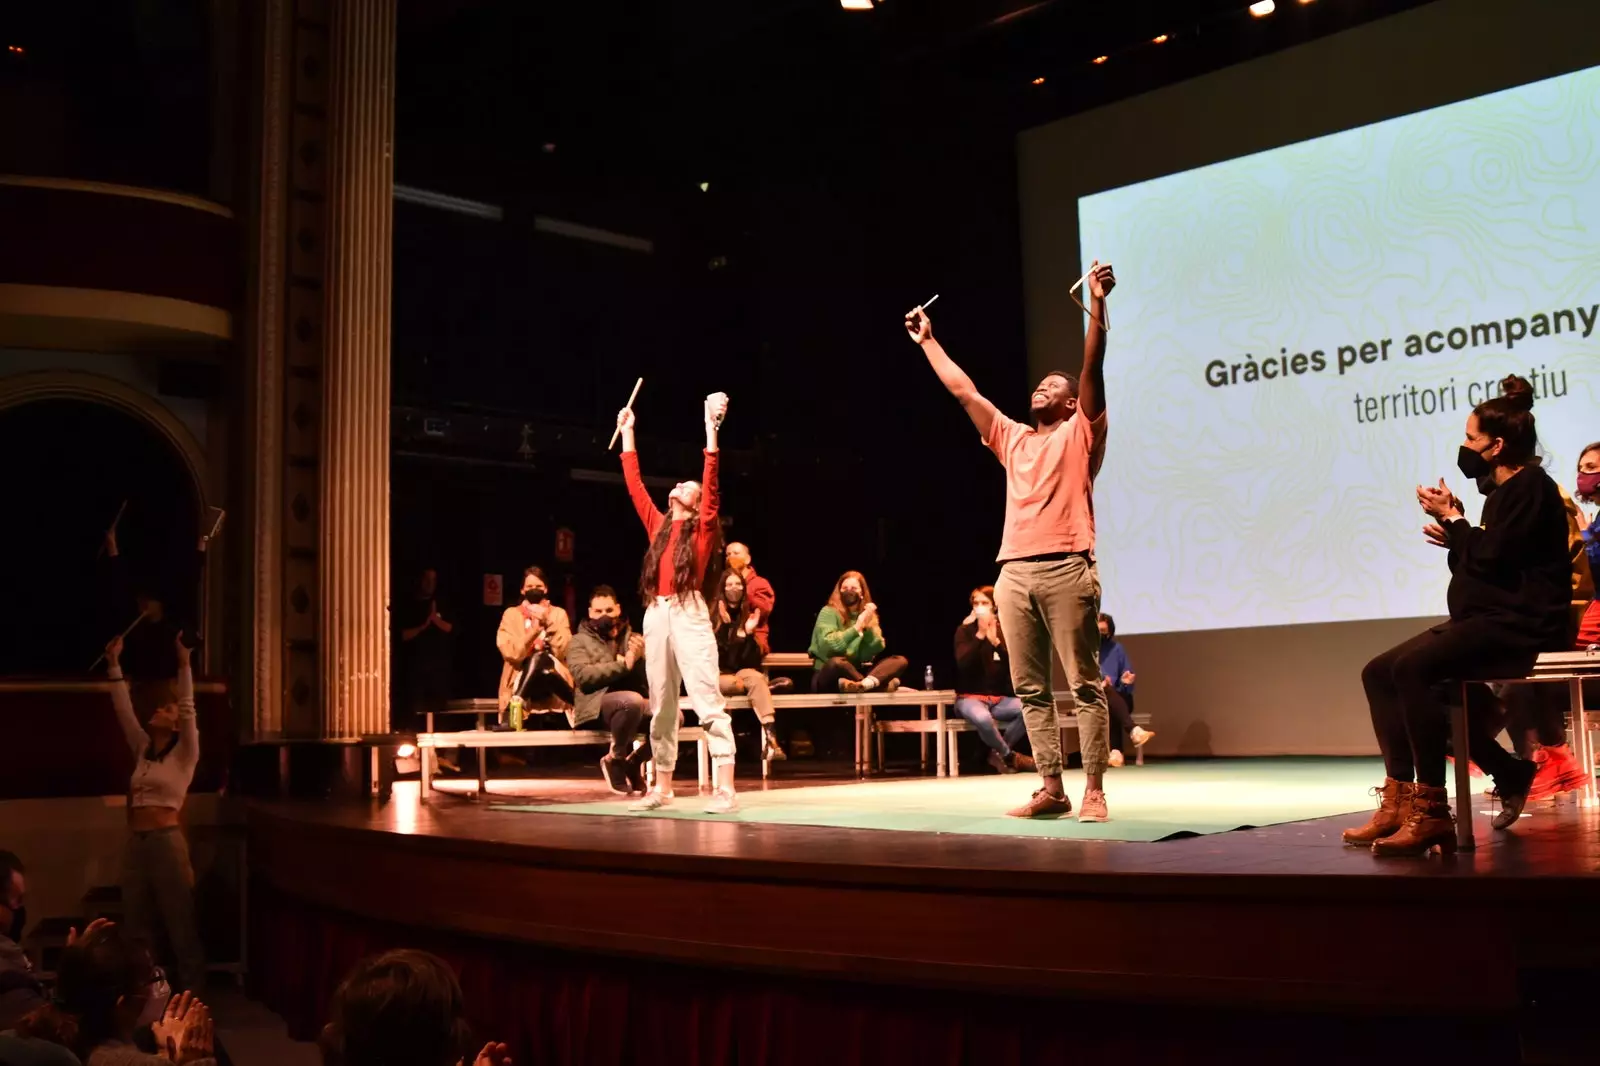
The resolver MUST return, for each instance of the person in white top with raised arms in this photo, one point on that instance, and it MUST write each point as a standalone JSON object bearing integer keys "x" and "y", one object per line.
{"x": 157, "y": 879}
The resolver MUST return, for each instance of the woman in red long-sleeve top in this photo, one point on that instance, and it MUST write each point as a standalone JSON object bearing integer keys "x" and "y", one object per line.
{"x": 684, "y": 560}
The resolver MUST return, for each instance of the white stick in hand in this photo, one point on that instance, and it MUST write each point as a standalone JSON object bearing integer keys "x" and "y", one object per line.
{"x": 629, "y": 406}
{"x": 131, "y": 626}
{"x": 924, "y": 305}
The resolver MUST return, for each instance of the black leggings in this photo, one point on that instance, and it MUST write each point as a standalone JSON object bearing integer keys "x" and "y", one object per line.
{"x": 839, "y": 668}
{"x": 621, "y": 713}
{"x": 1409, "y": 715}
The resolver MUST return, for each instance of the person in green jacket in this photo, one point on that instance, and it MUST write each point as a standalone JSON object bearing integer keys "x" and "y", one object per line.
{"x": 848, "y": 640}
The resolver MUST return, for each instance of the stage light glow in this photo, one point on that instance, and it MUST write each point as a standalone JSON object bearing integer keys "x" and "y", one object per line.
{"x": 16, "y": 49}
{"x": 1262, "y": 8}
{"x": 1100, "y": 59}
{"x": 549, "y": 148}
{"x": 406, "y": 751}
{"x": 1038, "y": 81}
{"x": 856, "y": 5}
{"x": 705, "y": 186}
{"x": 1159, "y": 40}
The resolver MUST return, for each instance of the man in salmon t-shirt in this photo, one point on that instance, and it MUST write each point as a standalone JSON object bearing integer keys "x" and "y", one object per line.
{"x": 1048, "y": 593}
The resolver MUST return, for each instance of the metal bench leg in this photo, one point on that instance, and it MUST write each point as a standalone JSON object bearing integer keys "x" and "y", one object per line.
{"x": 1582, "y": 743}
{"x": 425, "y": 768}
{"x": 483, "y": 773}
{"x": 922, "y": 743}
{"x": 1463, "y": 754}
{"x": 952, "y": 741}
{"x": 877, "y": 737}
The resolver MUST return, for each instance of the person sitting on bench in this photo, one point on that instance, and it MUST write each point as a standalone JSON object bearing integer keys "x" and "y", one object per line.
{"x": 610, "y": 689}
{"x": 533, "y": 639}
{"x": 848, "y": 640}
{"x": 737, "y": 621}
{"x": 1116, "y": 676}
{"x": 984, "y": 695}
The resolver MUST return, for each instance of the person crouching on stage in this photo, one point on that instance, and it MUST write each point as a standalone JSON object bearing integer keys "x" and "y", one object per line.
{"x": 157, "y": 879}
{"x": 683, "y": 563}
{"x": 608, "y": 678}
{"x": 1508, "y": 602}
{"x": 739, "y": 652}
{"x": 533, "y": 638}
{"x": 984, "y": 696}
{"x": 848, "y": 639}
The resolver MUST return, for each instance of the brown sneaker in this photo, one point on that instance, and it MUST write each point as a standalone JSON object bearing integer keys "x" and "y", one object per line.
{"x": 892, "y": 684}
{"x": 1429, "y": 824}
{"x": 1042, "y": 805}
{"x": 1021, "y": 763}
{"x": 1094, "y": 807}
{"x": 1394, "y": 804}
{"x": 848, "y": 684}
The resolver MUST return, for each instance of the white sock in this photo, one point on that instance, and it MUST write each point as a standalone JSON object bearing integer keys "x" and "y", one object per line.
{"x": 869, "y": 682}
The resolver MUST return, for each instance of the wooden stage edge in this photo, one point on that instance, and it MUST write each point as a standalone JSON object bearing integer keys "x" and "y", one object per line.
{"x": 1278, "y": 917}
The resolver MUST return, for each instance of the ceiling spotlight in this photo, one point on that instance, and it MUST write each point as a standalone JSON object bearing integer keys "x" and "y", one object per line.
{"x": 705, "y": 186}
{"x": 1262, "y": 8}
{"x": 1159, "y": 40}
{"x": 1038, "y": 81}
{"x": 856, "y": 5}
{"x": 1100, "y": 59}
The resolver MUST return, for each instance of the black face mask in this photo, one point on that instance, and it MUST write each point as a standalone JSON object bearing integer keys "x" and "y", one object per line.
{"x": 850, "y": 599}
{"x": 533, "y": 595}
{"x": 1472, "y": 464}
{"x": 19, "y": 922}
{"x": 603, "y": 628}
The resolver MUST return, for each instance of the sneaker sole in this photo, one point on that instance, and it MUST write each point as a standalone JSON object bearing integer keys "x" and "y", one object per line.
{"x": 615, "y": 791}
{"x": 1094, "y": 819}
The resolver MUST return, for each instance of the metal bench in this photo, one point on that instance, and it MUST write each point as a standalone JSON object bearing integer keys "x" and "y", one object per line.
{"x": 1571, "y": 667}
{"x": 956, "y": 724}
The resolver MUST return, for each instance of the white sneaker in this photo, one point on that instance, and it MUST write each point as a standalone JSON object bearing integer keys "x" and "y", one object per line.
{"x": 1140, "y": 735}
{"x": 722, "y": 801}
{"x": 1115, "y": 758}
{"x": 652, "y": 801}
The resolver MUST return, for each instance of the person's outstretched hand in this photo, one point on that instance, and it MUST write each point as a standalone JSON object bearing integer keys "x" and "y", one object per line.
{"x": 919, "y": 325}
{"x": 1101, "y": 279}
{"x": 493, "y": 1054}
{"x": 73, "y": 936}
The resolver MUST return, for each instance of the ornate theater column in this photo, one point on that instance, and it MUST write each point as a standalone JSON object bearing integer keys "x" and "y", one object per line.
{"x": 353, "y": 460}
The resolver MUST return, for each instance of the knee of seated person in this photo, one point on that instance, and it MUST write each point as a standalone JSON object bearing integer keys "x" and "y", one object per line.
{"x": 1378, "y": 671}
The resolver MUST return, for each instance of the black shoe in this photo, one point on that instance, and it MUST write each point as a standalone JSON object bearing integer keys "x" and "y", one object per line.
{"x": 1001, "y": 766}
{"x": 633, "y": 772}
{"x": 1512, "y": 790}
{"x": 615, "y": 771}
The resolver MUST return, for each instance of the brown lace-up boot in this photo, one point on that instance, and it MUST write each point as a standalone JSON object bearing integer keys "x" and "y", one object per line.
{"x": 1428, "y": 825}
{"x": 1394, "y": 803}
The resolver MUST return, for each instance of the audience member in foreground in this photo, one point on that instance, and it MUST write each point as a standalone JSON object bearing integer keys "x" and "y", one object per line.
{"x": 682, "y": 573}
{"x": 847, "y": 642}
{"x": 1508, "y": 600}
{"x": 401, "y": 1008}
{"x": 1116, "y": 675}
{"x": 20, "y": 989}
{"x": 739, "y": 652}
{"x": 108, "y": 988}
{"x": 157, "y": 878}
{"x": 983, "y": 684}
{"x": 609, "y": 688}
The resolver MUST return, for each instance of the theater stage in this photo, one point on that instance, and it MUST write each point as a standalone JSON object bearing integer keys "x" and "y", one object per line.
{"x": 1272, "y": 922}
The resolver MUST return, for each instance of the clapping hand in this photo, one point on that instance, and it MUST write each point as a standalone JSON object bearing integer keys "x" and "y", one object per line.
{"x": 73, "y": 936}
{"x": 493, "y": 1054}
{"x": 1439, "y": 502}
{"x": 184, "y": 651}
{"x": 185, "y": 1030}
{"x": 751, "y": 622}
{"x": 1127, "y": 677}
{"x": 635, "y": 650}
{"x": 1434, "y": 533}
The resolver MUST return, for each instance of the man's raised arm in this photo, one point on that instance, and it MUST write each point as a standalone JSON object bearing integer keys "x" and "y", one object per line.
{"x": 1092, "y": 382}
{"x": 980, "y": 410}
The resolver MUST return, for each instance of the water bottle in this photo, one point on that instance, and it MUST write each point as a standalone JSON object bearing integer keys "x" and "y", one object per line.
{"x": 514, "y": 713}
{"x": 927, "y": 678}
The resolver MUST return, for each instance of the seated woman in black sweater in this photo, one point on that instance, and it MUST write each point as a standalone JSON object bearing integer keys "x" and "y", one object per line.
{"x": 984, "y": 696}
{"x": 1508, "y": 602}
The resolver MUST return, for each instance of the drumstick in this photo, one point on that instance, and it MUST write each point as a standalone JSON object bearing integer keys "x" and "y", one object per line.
{"x": 123, "y": 636}
{"x": 627, "y": 406}
{"x": 924, "y": 306}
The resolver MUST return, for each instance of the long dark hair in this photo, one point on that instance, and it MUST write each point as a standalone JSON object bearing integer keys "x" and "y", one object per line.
{"x": 683, "y": 561}
{"x": 91, "y": 977}
{"x": 1509, "y": 416}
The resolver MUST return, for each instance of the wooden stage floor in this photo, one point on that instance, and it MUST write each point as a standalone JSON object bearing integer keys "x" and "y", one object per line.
{"x": 1281, "y": 916}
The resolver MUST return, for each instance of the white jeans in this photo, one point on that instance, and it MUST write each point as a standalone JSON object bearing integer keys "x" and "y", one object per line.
{"x": 680, "y": 646}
